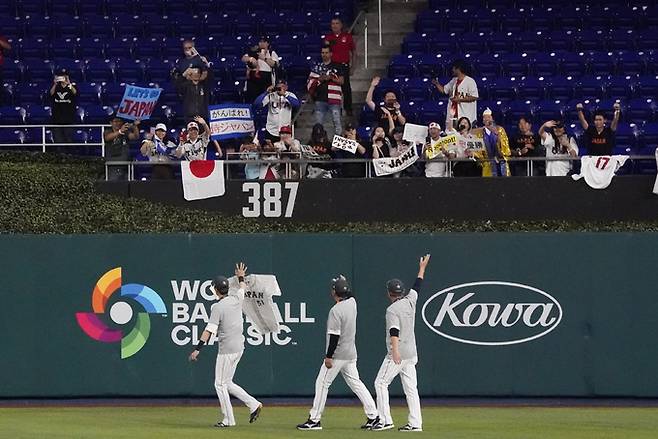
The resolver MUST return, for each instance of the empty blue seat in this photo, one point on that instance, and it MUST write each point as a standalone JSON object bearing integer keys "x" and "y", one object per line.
{"x": 37, "y": 114}
{"x": 641, "y": 109}
{"x": 621, "y": 87}
{"x": 432, "y": 111}
{"x": 487, "y": 65}
{"x": 601, "y": 63}
{"x": 99, "y": 70}
{"x": 503, "y": 89}
{"x": 647, "y": 86}
{"x": 626, "y": 137}
{"x": 515, "y": 65}
{"x": 402, "y": 66}
{"x": 532, "y": 88}
{"x": 591, "y": 87}
{"x": 415, "y": 44}
{"x": 518, "y": 109}
{"x": 417, "y": 90}
{"x": 630, "y": 63}
{"x": 572, "y": 64}
{"x": 91, "y": 47}
{"x": 89, "y": 94}
{"x": 562, "y": 87}
{"x": 549, "y": 110}
{"x": 431, "y": 66}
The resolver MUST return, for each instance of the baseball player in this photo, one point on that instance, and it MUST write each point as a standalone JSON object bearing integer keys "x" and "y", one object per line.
{"x": 340, "y": 358}
{"x": 402, "y": 357}
{"x": 226, "y": 322}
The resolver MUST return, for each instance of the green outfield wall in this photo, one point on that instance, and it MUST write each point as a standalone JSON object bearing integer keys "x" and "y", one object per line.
{"x": 499, "y": 314}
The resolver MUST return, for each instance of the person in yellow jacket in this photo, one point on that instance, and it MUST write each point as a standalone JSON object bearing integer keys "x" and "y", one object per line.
{"x": 496, "y": 152}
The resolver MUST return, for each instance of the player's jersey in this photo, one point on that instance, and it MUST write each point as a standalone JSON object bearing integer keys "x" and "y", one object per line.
{"x": 401, "y": 315}
{"x": 342, "y": 322}
{"x": 227, "y": 322}
{"x": 599, "y": 170}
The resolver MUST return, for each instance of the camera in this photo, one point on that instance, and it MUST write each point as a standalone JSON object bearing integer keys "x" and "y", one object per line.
{"x": 60, "y": 78}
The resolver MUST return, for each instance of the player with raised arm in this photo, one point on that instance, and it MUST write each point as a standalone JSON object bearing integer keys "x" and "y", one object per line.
{"x": 340, "y": 358}
{"x": 227, "y": 323}
{"x": 402, "y": 356}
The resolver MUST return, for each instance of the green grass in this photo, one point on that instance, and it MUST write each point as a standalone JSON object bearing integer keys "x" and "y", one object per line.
{"x": 338, "y": 422}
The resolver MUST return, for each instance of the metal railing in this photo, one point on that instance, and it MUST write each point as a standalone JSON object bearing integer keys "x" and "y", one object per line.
{"x": 289, "y": 163}
{"x": 44, "y": 144}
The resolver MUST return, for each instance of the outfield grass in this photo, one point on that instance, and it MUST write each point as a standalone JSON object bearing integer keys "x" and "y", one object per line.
{"x": 338, "y": 422}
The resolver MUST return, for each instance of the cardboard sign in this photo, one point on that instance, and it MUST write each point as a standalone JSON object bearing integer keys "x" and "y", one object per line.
{"x": 447, "y": 143}
{"x": 391, "y": 165}
{"x": 138, "y": 102}
{"x": 344, "y": 144}
{"x": 229, "y": 121}
{"x": 415, "y": 133}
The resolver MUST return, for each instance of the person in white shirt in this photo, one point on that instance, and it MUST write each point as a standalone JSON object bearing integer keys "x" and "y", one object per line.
{"x": 261, "y": 63}
{"x": 280, "y": 104}
{"x": 557, "y": 144}
{"x": 462, "y": 94}
{"x": 435, "y": 169}
{"x": 226, "y": 322}
{"x": 196, "y": 145}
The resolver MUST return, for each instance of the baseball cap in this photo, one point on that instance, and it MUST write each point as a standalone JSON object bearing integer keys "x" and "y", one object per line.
{"x": 434, "y": 125}
{"x": 349, "y": 126}
{"x": 281, "y": 81}
{"x": 395, "y": 286}
{"x": 221, "y": 283}
{"x": 192, "y": 125}
{"x": 161, "y": 126}
{"x": 285, "y": 130}
{"x": 340, "y": 286}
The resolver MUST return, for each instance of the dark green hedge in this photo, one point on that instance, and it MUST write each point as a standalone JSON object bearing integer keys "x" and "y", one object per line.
{"x": 50, "y": 193}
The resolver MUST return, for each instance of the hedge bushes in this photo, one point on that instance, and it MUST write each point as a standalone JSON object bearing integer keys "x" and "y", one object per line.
{"x": 50, "y": 193}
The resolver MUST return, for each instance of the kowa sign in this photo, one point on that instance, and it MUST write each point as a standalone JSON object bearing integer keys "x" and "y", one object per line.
{"x": 492, "y": 313}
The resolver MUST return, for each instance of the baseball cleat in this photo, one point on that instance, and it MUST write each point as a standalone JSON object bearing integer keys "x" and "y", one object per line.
{"x": 408, "y": 427}
{"x": 370, "y": 423}
{"x": 221, "y": 425}
{"x": 310, "y": 425}
{"x": 255, "y": 414}
{"x": 381, "y": 427}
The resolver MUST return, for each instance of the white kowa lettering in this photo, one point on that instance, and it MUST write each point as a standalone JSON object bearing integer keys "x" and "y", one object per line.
{"x": 476, "y": 314}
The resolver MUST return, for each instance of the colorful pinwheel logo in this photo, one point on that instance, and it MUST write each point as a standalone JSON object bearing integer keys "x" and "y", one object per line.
{"x": 121, "y": 313}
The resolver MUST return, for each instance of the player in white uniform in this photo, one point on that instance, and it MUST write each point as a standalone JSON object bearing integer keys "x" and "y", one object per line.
{"x": 340, "y": 358}
{"x": 227, "y": 323}
{"x": 402, "y": 356}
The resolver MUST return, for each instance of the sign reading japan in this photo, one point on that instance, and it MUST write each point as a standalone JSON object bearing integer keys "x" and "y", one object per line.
{"x": 138, "y": 102}
{"x": 230, "y": 121}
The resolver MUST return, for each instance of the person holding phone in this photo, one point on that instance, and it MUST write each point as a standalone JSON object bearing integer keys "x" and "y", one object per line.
{"x": 116, "y": 145}
{"x": 63, "y": 95}
{"x": 280, "y": 104}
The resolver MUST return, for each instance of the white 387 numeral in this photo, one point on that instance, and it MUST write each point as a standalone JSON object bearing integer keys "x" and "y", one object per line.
{"x": 270, "y": 203}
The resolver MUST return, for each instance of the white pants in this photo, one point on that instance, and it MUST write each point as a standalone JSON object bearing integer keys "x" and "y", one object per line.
{"x": 224, "y": 371}
{"x": 387, "y": 373}
{"x": 348, "y": 369}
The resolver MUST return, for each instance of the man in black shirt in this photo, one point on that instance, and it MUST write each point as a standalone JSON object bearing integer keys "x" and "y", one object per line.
{"x": 191, "y": 60}
{"x": 390, "y": 103}
{"x": 193, "y": 87}
{"x": 601, "y": 139}
{"x": 525, "y": 144}
{"x": 63, "y": 95}
{"x": 116, "y": 145}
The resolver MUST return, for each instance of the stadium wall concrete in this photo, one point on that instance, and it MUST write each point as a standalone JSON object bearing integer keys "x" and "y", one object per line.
{"x": 396, "y": 200}
{"x": 533, "y": 314}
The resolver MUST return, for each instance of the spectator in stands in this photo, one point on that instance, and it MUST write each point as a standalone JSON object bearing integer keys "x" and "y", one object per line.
{"x": 601, "y": 138}
{"x": 159, "y": 148}
{"x": 343, "y": 52}
{"x": 380, "y": 144}
{"x": 194, "y": 87}
{"x": 5, "y": 46}
{"x": 250, "y": 151}
{"x": 463, "y": 95}
{"x": 325, "y": 87}
{"x": 391, "y": 105}
{"x": 351, "y": 170}
{"x": 288, "y": 148}
{"x": 116, "y": 145}
{"x": 464, "y": 150}
{"x": 494, "y": 156}
{"x": 525, "y": 144}
{"x": 437, "y": 167}
{"x": 557, "y": 144}
{"x": 191, "y": 60}
{"x": 261, "y": 63}
{"x": 196, "y": 144}
{"x": 280, "y": 104}
{"x": 63, "y": 95}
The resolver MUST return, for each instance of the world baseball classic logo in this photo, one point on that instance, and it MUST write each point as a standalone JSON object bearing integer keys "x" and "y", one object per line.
{"x": 121, "y": 313}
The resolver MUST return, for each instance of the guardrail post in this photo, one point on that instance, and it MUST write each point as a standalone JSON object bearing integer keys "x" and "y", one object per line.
{"x": 380, "y": 21}
{"x": 43, "y": 138}
{"x": 365, "y": 43}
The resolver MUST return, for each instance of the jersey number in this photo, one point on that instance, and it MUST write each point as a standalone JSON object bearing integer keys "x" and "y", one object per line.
{"x": 602, "y": 162}
{"x": 269, "y": 205}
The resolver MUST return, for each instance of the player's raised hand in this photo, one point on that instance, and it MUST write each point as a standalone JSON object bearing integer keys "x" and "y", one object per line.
{"x": 240, "y": 269}
{"x": 193, "y": 356}
{"x": 424, "y": 260}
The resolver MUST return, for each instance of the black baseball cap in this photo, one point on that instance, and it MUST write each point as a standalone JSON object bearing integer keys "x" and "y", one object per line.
{"x": 341, "y": 287}
{"x": 349, "y": 126}
{"x": 395, "y": 287}
{"x": 221, "y": 283}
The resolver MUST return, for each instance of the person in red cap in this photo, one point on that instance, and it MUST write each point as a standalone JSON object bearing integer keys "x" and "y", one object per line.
{"x": 343, "y": 52}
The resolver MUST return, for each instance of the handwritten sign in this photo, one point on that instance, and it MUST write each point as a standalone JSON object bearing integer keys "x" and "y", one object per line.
{"x": 138, "y": 102}
{"x": 434, "y": 149}
{"x": 229, "y": 121}
{"x": 415, "y": 133}
{"x": 470, "y": 143}
{"x": 391, "y": 165}
{"x": 344, "y": 144}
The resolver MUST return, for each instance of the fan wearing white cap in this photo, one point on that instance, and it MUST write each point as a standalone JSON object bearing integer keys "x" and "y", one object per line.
{"x": 156, "y": 147}
{"x": 196, "y": 145}
{"x": 496, "y": 152}
{"x": 437, "y": 168}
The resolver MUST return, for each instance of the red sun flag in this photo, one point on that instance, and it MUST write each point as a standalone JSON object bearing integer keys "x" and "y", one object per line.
{"x": 202, "y": 179}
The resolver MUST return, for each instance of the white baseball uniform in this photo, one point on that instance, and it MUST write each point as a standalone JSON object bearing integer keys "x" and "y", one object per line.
{"x": 227, "y": 322}
{"x": 342, "y": 322}
{"x": 400, "y": 315}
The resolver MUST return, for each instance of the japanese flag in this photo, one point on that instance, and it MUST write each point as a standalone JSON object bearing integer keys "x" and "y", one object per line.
{"x": 202, "y": 179}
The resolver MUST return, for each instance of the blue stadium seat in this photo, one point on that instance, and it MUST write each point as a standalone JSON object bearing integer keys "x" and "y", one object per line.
{"x": 562, "y": 87}
{"x": 532, "y": 88}
{"x": 417, "y": 90}
{"x": 430, "y": 22}
{"x": 120, "y": 47}
{"x": 642, "y": 109}
{"x": 591, "y": 87}
{"x": 647, "y": 85}
{"x": 99, "y": 70}
{"x": 515, "y": 110}
{"x": 549, "y": 110}
{"x": 560, "y": 41}
{"x": 621, "y": 39}
{"x": 40, "y": 27}
{"x": 621, "y": 87}
{"x": 72, "y": 66}
{"x": 601, "y": 63}
{"x": 487, "y": 65}
{"x": 98, "y": 114}
{"x": 646, "y": 40}
{"x": 65, "y": 47}
{"x": 590, "y": 40}
{"x": 515, "y": 65}
{"x": 70, "y": 26}
{"x": 572, "y": 64}
{"x": 91, "y": 47}
{"x": 99, "y": 27}
{"x": 415, "y": 44}
{"x": 432, "y": 111}
{"x": 631, "y": 63}
{"x": 37, "y": 114}
{"x": 12, "y": 115}
{"x": 503, "y": 89}
{"x": 112, "y": 93}
{"x": 431, "y": 66}
{"x": 130, "y": 71}
{"x": 546, "y": 64}
{"x": 39, "y": 70}
{"x": 650, "y": 138}
{"x": 402, "y": 66}
{"x": 89, "y": 94}
{"x": 626, "y": 138}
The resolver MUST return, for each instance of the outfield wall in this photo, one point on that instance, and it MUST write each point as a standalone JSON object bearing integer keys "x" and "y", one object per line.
{"x": 570, "y": 314}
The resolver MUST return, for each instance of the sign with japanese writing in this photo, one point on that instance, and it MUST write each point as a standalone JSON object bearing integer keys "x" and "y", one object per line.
{"x": 228, "y": 121}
